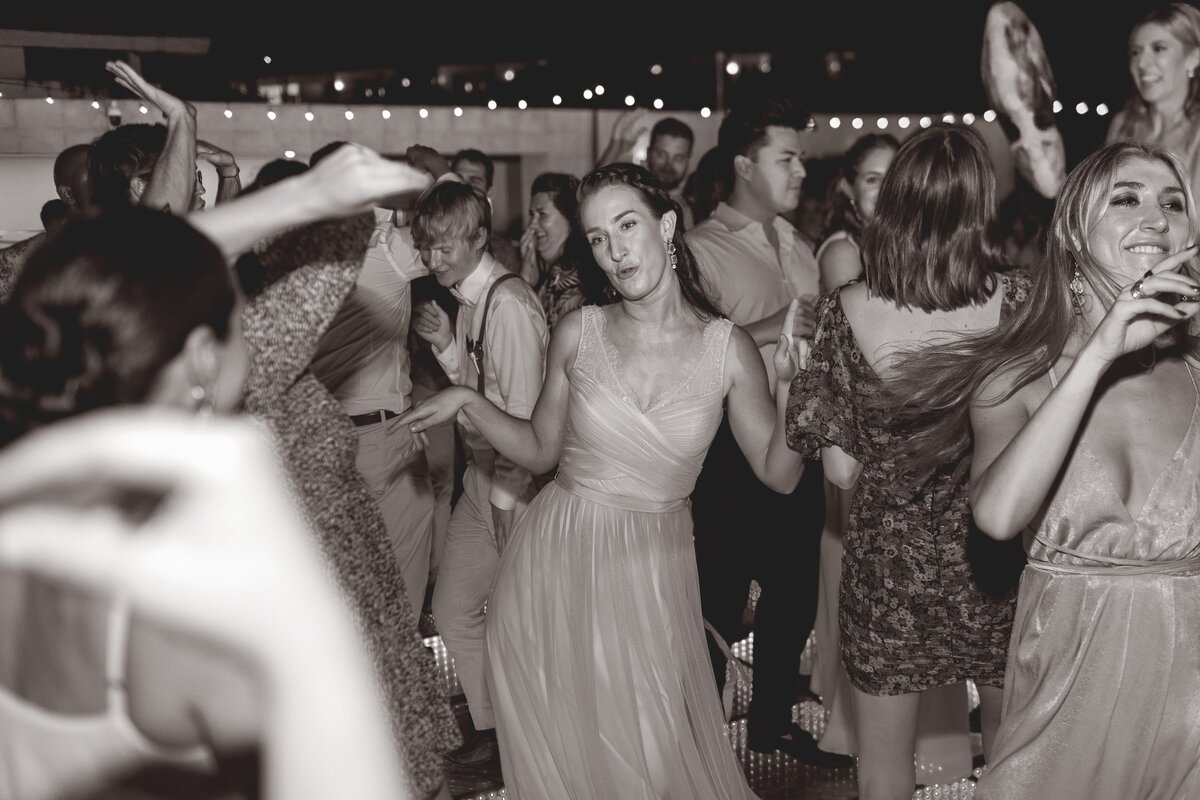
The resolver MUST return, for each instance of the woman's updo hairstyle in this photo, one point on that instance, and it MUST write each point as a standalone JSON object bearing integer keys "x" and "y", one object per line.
{"x": 100, "y": 310}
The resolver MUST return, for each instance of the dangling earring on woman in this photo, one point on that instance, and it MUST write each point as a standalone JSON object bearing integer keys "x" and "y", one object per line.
{"x": 1077, "y": 291}
{"x": 670, "y": 243}
{"x": 204, "y": 406}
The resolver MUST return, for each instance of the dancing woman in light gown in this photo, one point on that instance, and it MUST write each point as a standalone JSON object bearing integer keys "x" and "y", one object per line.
{"x": 601, "y": 680}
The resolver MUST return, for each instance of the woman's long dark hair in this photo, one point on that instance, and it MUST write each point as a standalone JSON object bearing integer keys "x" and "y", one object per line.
{"x": 932, "y": 388}
{"x": 100, "y": 309}
{"x": 631, "y": 176}
{"x": 576, "y": 254}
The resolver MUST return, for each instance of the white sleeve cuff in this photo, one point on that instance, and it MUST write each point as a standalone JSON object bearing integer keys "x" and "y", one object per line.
{"x": 448, "y": 358}
{"x": 502, "y": 498}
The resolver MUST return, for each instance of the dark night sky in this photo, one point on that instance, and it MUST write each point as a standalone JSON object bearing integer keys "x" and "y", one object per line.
{"x": 910, "y": 56}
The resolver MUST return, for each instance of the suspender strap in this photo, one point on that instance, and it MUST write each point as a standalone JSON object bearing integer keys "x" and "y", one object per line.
{"x": 477, "y": 348}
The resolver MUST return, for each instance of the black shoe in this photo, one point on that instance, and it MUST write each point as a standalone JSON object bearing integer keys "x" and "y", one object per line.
{"x": 799, "y": 744}
{"x": 479, "y": 747}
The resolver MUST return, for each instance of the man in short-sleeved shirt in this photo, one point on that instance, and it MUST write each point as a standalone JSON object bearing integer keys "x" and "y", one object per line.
{"x": 755, "y": 263}
{"x": 753, "y": 278}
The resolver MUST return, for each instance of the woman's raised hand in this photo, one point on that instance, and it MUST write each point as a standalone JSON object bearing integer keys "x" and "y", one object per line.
{"x": 1143, "y": 311}
{"x": 791, "y": 351}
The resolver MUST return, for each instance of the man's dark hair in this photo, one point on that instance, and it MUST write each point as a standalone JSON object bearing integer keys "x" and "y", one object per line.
{"x": 744, "y": 131}
{"x": 669, "y": 126}
{"x": 477, "y": 157}
{"x": 274, "y": 172}
{"x": 324, "y": 151}
{"x": 119, "y": 156}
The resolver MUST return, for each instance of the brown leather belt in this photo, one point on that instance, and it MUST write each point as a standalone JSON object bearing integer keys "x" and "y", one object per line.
{"x": 372, "y": 417}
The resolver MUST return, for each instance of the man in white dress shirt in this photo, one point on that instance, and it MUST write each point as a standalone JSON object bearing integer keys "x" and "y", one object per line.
{"x": 451, "y": 229}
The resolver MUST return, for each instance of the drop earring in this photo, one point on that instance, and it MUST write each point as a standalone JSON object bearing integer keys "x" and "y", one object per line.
{"x": 671, "y": 253}
{"x": 1077, "y": 291}
{"x": 204, "y": 406}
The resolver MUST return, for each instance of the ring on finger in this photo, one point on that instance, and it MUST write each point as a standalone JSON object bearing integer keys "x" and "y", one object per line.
{"x": 1135, "y": 291}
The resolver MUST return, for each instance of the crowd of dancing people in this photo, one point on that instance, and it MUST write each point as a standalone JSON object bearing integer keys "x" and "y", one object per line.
{"x": 244, "y": 446}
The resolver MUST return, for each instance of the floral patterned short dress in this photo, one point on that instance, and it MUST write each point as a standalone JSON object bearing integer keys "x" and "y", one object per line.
{"x": 913, "y": 613}
{"x": 561, "y": 292}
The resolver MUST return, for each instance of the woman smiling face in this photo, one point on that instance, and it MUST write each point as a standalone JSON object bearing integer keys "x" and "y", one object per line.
{"x": 1159, "y": 63}
{"x": 1145, "y": 218}
{"x": 551, "y": 229}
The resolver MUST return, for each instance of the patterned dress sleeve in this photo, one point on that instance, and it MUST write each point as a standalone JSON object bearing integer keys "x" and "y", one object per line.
{"x": 823, "y": 403}
{"x": 307, "y": 274}
{"x": 1016, "y": 286}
